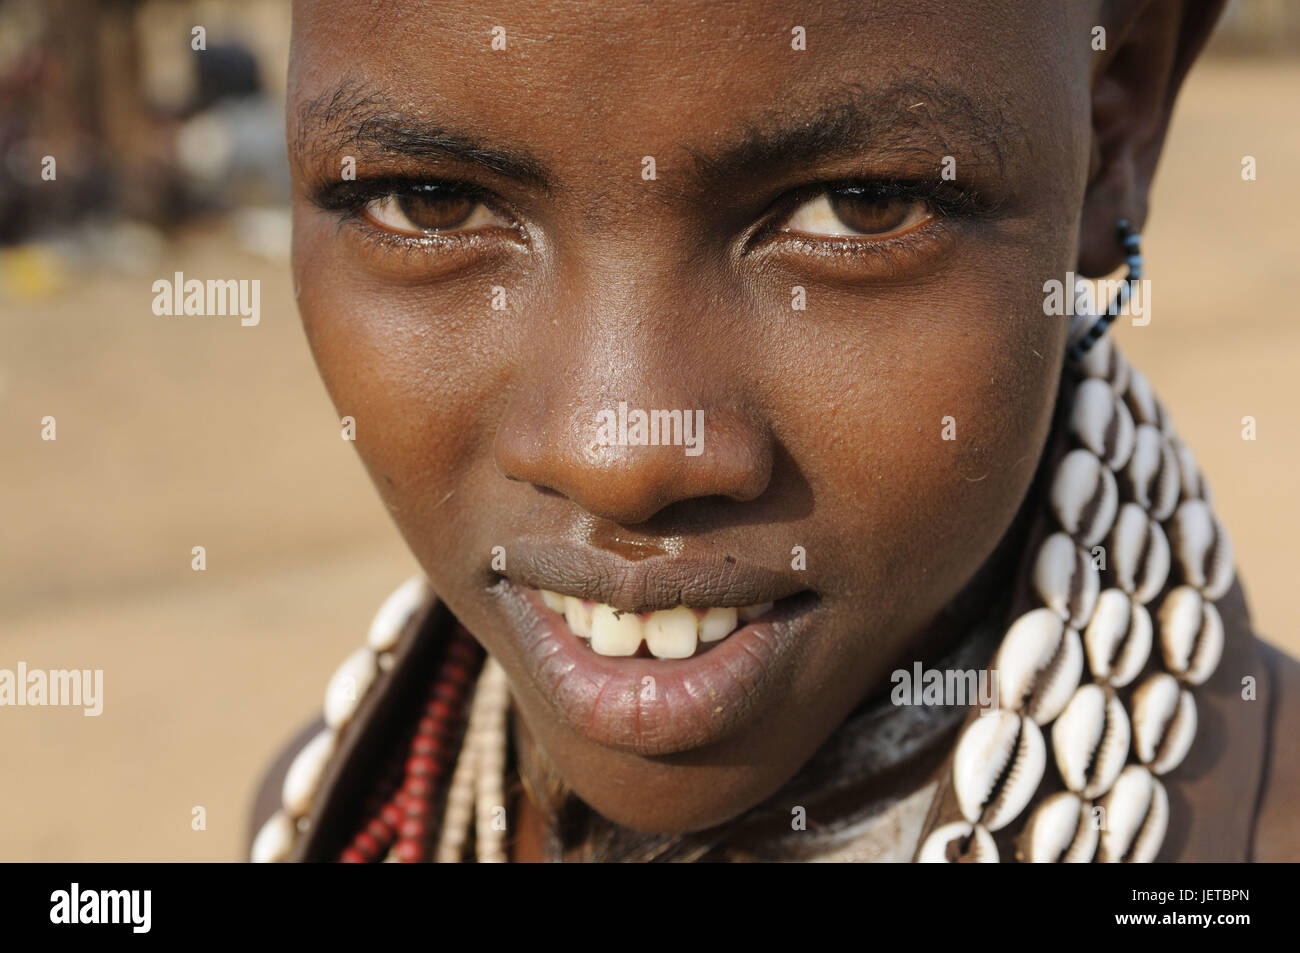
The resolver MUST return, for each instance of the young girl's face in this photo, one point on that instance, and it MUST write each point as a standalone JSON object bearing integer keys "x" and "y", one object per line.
{"x": 832, "y": 241}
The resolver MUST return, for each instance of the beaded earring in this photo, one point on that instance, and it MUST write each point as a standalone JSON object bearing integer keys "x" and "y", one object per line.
{"x": 1132, "y": 242}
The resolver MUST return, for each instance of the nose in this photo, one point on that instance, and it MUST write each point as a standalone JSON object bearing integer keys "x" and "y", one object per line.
{"x": 634, "y": 423}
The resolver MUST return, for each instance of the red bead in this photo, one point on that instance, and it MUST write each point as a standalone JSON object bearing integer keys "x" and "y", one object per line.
{"x": 368, "y": 846}
{"x": 391, "y": 814}
{"x": 428, "y": 726}
{"x": 415, "y": 828}
{"x": 440, "y": 710}
{"x": 420, "y": 766}
{"x": 417, "y": 808}
{"x": 381, "y": 832}
{"x": 426, "y": 745}
{"x": 449, "y": 692}
{"x": 351, "y": 855}
{"x": 456, "y": 672}
{"x": 417, "y": 787}
{"x": 409, "y": 851}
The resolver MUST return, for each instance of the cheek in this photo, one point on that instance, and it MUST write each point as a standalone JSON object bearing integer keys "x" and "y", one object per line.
{"x": 417, "y": 384}
{"x": 938, "y": 424}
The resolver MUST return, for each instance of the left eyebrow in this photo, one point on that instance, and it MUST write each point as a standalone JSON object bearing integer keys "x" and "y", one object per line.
{"x": 360, "y": 118}
{"x": 918, "y": 117}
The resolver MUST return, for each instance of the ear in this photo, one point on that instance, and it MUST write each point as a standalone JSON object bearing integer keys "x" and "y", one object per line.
{"x": 1150, "y": 45}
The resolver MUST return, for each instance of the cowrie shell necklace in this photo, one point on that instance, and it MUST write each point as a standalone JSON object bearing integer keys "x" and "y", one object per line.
{"x": 1126, "y": 584}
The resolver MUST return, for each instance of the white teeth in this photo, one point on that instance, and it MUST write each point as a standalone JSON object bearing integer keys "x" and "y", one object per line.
{"x": 671, "y": 633}
{"x": 615, "y": 633}
{"x": 578, "y": 616}
{"x": 718, "y": 624}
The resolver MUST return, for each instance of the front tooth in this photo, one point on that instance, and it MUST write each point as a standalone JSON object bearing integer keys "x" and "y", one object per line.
{"x": 718, "y": 624}
{"x": 670, "y": 633}
{"x": 615, "y": 633}
{"x": 554, "y": 601}
{"x": 578, "y": 616}
{"x": 750, "y": 613}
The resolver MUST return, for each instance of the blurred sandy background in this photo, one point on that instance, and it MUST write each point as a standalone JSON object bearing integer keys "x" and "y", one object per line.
{"x": 174, "y": 433}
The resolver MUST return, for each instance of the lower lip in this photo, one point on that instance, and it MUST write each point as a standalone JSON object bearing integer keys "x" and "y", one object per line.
{"x": 650, "y": 706}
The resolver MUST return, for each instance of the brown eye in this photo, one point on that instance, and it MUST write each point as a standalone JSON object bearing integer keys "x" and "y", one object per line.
{"x": 431, "y": 211}
{"x": 858, "y": 212}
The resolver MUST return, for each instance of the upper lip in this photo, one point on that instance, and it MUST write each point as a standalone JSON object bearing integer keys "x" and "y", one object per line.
{"x": 660, "y": 582}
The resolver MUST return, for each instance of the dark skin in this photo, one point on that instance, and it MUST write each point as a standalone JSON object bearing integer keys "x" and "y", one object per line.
{"x": 825, "y": 423}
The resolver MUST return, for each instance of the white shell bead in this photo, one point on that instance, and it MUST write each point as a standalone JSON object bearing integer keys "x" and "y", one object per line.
{"x": 937, "y": 847}
{"x": 1060, "y": 830}
{"x": 305, "y": 773}
{"x": 1090, "y": 740}
{"x": 394, "y": 613}
{"x": 1084, "y": 496}
{"x": 1106, "y": 362}
{"x": 348, "y": 685}
{"x": 274, "y": 841}
{"x": 1102, "y": 423}
{"x": 997, "y": 766}
{"x": 1145, "y": 405}
{"x": 1164, "y": 722}
{"x": 1066, "y": 580}
{"x": 1139, "y": 553}
{"x": 1137, "y": 817}
{"x": 1118, "y": 639}
{"x": 1038, "y": 665}
{"x": 1191, "y": 635}
{"x": 1202, "y": 548}
{"x": 1194, "y": 484}
{"x": 1152, "y": 477}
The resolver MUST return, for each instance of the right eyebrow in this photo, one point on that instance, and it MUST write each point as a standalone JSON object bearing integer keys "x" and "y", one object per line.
{"x": 358, "y": 118}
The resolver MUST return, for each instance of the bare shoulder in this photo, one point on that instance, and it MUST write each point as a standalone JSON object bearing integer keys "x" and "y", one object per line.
{"x": 1277, "y": 830}
{"x": 267, "y": 800}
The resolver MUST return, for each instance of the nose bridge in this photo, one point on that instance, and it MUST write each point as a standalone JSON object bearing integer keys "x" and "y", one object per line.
{"x": 632, "y": 405}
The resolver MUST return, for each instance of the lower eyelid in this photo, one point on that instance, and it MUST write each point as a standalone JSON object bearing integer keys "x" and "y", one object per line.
{"x": 855, "y": 257}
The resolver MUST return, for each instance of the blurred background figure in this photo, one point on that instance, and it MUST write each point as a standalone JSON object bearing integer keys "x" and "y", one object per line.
{"x": 149, "y": 116}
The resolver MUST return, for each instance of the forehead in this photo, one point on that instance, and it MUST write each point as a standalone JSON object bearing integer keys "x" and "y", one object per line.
{"x": 627, "y": 79}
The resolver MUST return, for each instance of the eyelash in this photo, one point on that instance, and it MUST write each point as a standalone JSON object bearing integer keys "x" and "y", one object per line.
{"x": 948, "y": 202}
{"x": 348, "y": 201}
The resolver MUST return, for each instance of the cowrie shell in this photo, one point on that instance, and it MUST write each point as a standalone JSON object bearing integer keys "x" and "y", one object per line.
{"x": 1191, "y": 635}
{"x": 997, "y": 766}
{"x": 1065, "y": 579}
{"x": 1060, "y": 831}
{"x": 1146, "y": 406}
{"x": 1118, "y": 638}
{"x": 1084, "y": 496}
{"x": 1038, "y": 665}
{"x": 1090, "y": 740}
{"x": 1192, "y": 480}
{"x": 1164, "y": 722}
{"x": 395, "y": 612}
{"x": 1139, "y": 553}
{"x": 1202, "y": 548}
{"x": 274, "y": 841}
{"x": 944, "y": 845}
{"x": 1101, "y": 422}
{"x": 1151, "y": 477}
{"x": 348, "y": 685}
{"x": 1136, "y": 818}
{"x": 305, "y": 773}
{"x": 1105, "y": 362}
